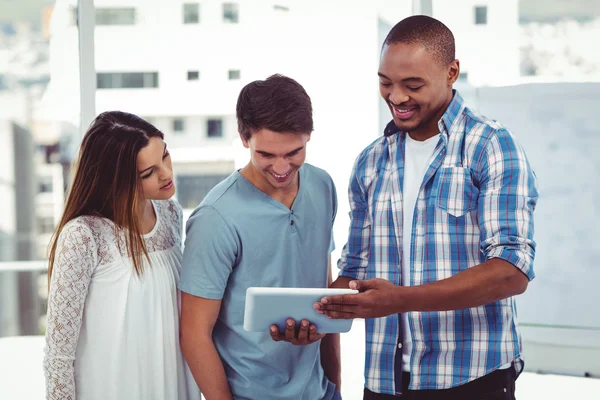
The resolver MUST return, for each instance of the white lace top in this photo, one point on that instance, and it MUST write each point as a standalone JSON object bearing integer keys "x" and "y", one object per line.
{"x": 111, "y": 334}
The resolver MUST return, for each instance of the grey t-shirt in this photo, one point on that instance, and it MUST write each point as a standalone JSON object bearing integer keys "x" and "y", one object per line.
{"x": 239, "y": 237}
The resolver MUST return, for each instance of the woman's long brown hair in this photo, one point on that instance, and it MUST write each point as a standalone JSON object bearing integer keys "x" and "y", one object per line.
{"x": 106, "y": 182}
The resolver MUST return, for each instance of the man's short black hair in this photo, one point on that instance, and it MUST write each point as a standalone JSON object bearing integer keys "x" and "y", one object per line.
{"x": 428, "y": 32}
{"x": 278, "y": 103}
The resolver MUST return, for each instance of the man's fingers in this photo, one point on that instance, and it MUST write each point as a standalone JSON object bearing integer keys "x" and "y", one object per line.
{"x": 339, "y": 314}
{"x": 344, "y": 299}
{"x": 274, "y": 331}
{"x": 338, "y": 307}
{"x": 306, "y": 334}
{"x": 303, "y": 332}
{"x": 314, "y": 335}
{"x": 290, "y": 330}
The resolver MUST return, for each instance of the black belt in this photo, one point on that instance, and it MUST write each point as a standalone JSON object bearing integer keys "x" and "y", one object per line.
{"x": 497, "y": 380}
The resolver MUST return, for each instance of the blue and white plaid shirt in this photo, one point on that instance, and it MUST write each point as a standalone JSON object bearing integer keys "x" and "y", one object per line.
{"x": 476, "y": 202}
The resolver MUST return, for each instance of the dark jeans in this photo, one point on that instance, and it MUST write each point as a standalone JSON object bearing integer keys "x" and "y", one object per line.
{"x": 498, "y": 385}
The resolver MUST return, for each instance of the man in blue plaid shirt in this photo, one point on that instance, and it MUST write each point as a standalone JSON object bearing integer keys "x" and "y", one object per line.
{"x": 441, "y": 234}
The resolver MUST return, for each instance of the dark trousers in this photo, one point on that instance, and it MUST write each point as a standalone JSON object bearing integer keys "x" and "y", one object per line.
{"x": 497, "y": 385}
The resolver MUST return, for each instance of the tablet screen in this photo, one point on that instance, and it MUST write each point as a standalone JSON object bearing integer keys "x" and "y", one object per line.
{"x": 268, "y": 306}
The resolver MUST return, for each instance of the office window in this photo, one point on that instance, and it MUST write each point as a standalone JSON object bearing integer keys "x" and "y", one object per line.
{"x": 231, "y": 13}
{"x": 115, "y": 16}
{"x": 191, "y": 13}
{"x": 45, "y": 184}
{"x": 178, "y": 125}
{"x": 480, "y": 15}
{"x": 191, "y": 189}
{"x": 193, "y": 75}
{"x": 214, "y": 128}
{"x": 45, "y": 224}
{"x": 126, "y": 80}
{"x": 234, "y": 74}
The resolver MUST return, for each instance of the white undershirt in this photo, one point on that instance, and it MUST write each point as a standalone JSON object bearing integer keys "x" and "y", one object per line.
{"x": 416, "y": 161}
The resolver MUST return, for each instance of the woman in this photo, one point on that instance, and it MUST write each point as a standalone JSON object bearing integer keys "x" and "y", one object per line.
{"x": 112, "y": 330}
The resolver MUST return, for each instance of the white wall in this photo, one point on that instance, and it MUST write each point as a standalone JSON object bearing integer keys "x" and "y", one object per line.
{"x": 557, "y": 124}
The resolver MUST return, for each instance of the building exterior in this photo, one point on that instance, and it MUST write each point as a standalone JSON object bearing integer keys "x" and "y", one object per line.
{"x": 181, "y": 64}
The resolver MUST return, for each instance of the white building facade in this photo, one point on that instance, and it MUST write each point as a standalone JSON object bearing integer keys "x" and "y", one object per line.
{"x": 181, "y": 65}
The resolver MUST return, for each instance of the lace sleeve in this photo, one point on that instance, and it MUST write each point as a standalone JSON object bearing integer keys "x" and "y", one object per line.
{"x": 176, "y": 219}
{"x": 76, "y": 258}
{"x": 179, "y": 225}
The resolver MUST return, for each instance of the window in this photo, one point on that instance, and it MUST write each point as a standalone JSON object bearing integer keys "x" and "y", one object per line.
{"x": 193, "y": 75}
{"x": 45, "y": 184}
{"x": 126, "y": 80}
{"x": 214, "y": 128}
{"x": 480, "y": 15}
{"x": 191, "y": 189}
{"x": 463, "y": 76}
{"x": 234, "y": 74}
{"x": 231, "y": 13}
{"x": 45, "y": 224}
{"x": 191, "y": 13}
{"x": 178, "y": 125}
{"x": 115, "y": 16}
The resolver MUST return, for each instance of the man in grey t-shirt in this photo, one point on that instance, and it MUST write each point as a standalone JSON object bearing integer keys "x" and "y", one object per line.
{"x": 268, "y": 224}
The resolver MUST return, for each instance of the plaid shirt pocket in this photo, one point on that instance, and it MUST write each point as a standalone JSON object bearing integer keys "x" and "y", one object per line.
{"x": 455, "y": 193}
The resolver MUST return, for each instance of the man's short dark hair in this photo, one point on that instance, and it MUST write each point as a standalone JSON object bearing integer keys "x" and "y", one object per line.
{"x": 278, "y": 103}
{"x": 428, "y": 32}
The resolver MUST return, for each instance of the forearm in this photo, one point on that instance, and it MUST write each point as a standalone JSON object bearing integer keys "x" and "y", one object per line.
{"x": 331, "y": 359}
{"x": 486, "y": 283}
{"x": 207, "y": 368}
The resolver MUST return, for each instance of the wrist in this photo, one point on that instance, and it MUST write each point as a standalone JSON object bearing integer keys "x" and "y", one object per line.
{"x": 404, "y": 296}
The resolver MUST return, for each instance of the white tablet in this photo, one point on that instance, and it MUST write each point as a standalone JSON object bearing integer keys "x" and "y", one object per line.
{"x": 268, "y": 306}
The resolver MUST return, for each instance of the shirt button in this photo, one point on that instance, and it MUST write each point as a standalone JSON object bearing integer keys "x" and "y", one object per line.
{"x": 399, "y": 345}
{"x": 292, "y": 222}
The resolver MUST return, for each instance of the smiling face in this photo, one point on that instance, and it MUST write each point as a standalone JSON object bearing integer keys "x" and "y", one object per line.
{"x": 416, "y": 87}
{"x": 155, "y": 171}
{"x": 275, "y": 159}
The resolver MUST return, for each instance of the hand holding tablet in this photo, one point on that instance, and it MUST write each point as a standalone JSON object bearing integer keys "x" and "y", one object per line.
{"x": 275, "y": 306}
{"x": 298, "y": 333}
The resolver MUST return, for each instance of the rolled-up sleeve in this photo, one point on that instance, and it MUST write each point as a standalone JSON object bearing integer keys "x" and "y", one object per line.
{"x": 507, "y": 200}
{"x": 355, "y": 254}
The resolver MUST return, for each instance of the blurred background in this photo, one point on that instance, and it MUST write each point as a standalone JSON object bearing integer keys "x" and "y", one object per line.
{"x": 534, "y": 65}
